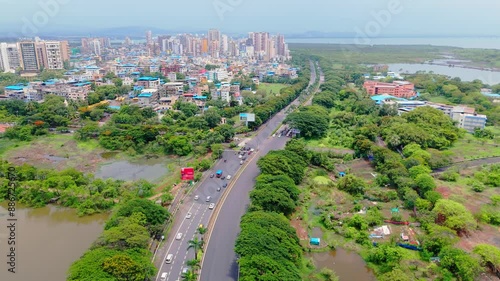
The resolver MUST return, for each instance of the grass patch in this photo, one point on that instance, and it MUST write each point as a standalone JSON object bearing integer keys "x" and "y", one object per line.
{"x": 471, "y": 147}
{"x": 8, "y": 144}
{"x": 321, "y": 180}
{"x": 271, "y": 88}
{"x": 439, "y": 99}
{"x": 89, "y": 145}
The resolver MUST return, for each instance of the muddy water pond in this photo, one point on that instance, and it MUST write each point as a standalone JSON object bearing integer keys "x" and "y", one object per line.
{"x": 132, "y": 170}
{"x": 348, "y": 265}
{"x": 48, "y": 240}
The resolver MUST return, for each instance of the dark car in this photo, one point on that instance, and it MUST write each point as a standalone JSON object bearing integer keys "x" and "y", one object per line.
{"x": 224, "y": 185}
{"x": 244, "y": 158}
{"x": 218, "y": 188}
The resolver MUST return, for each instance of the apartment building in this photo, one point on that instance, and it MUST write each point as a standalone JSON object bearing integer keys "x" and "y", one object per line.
{"x": 9, "y": 57}
{"x": 149, "y": 82}
{"x": 29, "y": 56}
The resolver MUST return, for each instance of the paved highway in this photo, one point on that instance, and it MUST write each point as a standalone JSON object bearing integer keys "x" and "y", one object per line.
{"x": 219, "y": 262}
{"x": 200, "y": 214}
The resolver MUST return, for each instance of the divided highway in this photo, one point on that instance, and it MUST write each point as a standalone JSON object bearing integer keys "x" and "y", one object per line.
{"x": 219, "y": 262}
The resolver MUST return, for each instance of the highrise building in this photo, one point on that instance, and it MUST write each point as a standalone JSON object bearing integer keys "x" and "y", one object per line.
{"x": 29, "y": 59}
{"x": 281, "y": 45}
{"x": 149, "y": 37}
{"x": 9, "y": 57}
{"x": 56, "y": 53}
{"x": 224, "y": 44}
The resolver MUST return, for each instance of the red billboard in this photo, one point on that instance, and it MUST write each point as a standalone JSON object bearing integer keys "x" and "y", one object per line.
{"x": 187, "y": 173}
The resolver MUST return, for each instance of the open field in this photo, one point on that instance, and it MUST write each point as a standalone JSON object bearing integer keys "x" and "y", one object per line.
{"x": 271, "y": 88}
{"x": 473, "y": 148}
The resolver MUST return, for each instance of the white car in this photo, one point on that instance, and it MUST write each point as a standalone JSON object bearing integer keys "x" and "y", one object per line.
{"x": 228, "y": 177}
{"x": 252, "y": 150}
{"x": 196, "y": 197}
{"x": 211, "y": 206}
{"x": 188, "y": 216}
{"x": 179, "y": 236}
{"x": 240, "y": 156}
{"x": 185, "y": 270}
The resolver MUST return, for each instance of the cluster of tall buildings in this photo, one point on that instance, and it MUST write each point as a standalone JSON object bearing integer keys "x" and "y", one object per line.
{"x": 258, "y": 45}
{"x": 95, "y": 46}
{"x": 33, "y": 55}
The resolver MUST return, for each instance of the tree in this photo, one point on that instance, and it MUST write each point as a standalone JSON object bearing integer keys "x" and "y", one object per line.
{"x": 190, "y": 276}
{"x": 460, "y": 263}
{"x": 310, "y": 124}
{"x": 490, "y": 256}
{"x": 194, "y": 264}
{"x": 394, "y": 275}
{"x": 227, "y": 131}
{"x": 283, "y": 162}
{"x": 272, "y": 200}
{"x": 212, "y": 117}
{"x": 262, "y": 267}
{"x": 424, "y": 183}
{"x": 454, "y": 215}
{"x": 196, "y": 244}
{"x": 352, "y": 185}
{"x": 438, "y": 237}
{"x": 122, "y": 267}
{"x": 179, "y": 145}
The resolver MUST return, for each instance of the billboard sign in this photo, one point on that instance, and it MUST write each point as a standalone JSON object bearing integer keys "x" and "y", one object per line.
{"x": 187, "y": 173}
{"x": 247, "y": 117}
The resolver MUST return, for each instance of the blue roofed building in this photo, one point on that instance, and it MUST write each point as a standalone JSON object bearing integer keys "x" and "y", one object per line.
{"x": 149, "y": 82}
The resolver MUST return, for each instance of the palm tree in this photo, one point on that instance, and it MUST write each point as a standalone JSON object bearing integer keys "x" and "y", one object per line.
{"x": 189, "y": 276}
{"x": 202, "y": 230}
{"x": 196, "y": 245}
{"x": 194, "y": 264}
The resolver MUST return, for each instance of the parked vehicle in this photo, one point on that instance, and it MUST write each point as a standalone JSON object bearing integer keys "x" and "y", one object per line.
{"x": 211, "y": 206}
{"x": 212, "y": 175}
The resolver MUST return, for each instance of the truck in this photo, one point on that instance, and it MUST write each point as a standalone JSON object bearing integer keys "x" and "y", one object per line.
{"x": 219, "y": 173}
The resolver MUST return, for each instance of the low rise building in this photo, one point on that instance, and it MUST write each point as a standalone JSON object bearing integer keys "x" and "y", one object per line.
{"x": 469, "y": 122}
{"x": 400, "y": 89}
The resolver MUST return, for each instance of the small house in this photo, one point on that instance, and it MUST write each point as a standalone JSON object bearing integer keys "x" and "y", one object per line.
{"x": 314, "y": 241}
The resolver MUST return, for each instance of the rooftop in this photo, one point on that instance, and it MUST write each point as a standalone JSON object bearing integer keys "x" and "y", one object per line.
{"x": 148, "y": 78}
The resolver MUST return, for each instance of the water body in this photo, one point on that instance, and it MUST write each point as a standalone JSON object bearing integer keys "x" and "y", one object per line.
{"x": 48, "y": 241}
{"x": 148, "y": 169}
{"x": 348, "y": 265}
{"x": 465, "y": 74}
{"x": 461, "y": 42}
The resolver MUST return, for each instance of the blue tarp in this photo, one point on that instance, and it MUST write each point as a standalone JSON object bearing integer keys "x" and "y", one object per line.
{"x": 314, "y": 241}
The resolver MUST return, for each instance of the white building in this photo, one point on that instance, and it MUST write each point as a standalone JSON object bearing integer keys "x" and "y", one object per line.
{"x": 53, "y": 50}
{"x": 470, "y": 122}
{"x": 9, "y": 57}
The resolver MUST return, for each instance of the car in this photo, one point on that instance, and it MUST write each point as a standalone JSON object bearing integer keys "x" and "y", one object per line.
{"x": 208, "y": 198}
{"x": 196, "y": 197}
{"x": 164, "y": 276}
{"x": 218, "y": 188}
{"x": 211, "y": 206}
{"x": 188, "y": 216}
{"x": 212, "y": 175}
{"x": 244, "y": 158}
{"x": 249, "y": 152}
{"x": 252, "y": 150}
{"x": 185, "y": 270}
{"x": 241, "y": 162}
{"x": 228, "y": 177}
{"x": 240, "y": 156}
{"x": 179, "y": 236}
{"x": 224, "y": 185}
{"x": 169, "y": 259}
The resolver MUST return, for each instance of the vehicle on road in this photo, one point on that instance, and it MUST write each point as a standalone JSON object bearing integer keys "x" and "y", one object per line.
{"x": 188, "y": 216}
{"x": 211, "y": 206}
{"x": 249, "y": 152}
{"x": 196, "y": 197}
{"x": 212, "y": 175}
{"x": 244, "y": 158}
{"x": 228, "y": 177}
{"x": 185, "y": 270}
{"x": 240, "y": 156}
{"x": 224, "y": 185}
{"x": 252, "y": 150}
{"x": 219, "y": 173}
{"x": 179, "y": 236}
{"x": 164, "y": 276}
{"x": 169, "y": 259}
{"x": 241, "y": 162}
{"x": 208, "y": 198}
{"x": 218, "y": 188}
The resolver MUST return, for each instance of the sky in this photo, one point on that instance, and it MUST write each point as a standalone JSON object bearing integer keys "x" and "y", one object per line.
{"x": 372, "y": 17}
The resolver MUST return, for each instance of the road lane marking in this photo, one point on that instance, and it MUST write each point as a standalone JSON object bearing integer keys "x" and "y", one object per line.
{"x": 168, "y": 250}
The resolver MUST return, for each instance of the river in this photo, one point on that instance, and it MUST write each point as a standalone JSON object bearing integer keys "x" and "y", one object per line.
{"x": 461, "y": 42}
{"x": 48, "y": 240}
{"x": 465, "y": 74}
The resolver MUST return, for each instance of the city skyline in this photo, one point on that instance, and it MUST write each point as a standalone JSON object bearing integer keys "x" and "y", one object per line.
{"x": 377, "y": 18}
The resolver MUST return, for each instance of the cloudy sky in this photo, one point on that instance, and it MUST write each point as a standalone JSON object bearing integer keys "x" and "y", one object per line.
{"x": 383, "y": 17}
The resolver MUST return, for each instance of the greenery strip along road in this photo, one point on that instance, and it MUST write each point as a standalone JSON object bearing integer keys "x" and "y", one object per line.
{"x": 220, "y": 262}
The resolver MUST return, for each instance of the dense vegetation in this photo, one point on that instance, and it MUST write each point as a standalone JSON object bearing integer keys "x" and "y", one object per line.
{"x": 121, "y": 252}
{"x": 403, "y": 150}
{"x": 70, "y": 188}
